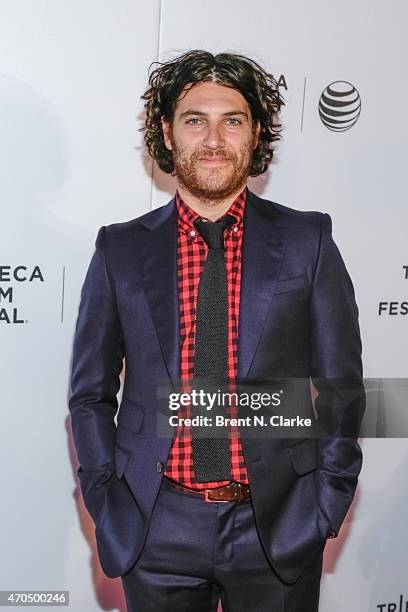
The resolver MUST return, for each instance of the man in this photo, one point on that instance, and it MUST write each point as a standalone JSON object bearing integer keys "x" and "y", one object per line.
{"x": 222, "y": 284}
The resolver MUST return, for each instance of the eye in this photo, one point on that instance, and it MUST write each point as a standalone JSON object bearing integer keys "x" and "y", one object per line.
{"x": 233, "y": 121}
{"x": 194, "y": 121}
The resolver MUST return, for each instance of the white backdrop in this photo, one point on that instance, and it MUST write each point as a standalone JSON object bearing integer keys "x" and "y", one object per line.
{"x": 71, "y": 160}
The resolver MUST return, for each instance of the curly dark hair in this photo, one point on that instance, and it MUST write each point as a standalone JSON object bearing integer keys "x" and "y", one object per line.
{"x": 258, "y": 87}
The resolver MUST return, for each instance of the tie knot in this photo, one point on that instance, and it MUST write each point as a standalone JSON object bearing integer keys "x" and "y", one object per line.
{"x": 213, "y": 231}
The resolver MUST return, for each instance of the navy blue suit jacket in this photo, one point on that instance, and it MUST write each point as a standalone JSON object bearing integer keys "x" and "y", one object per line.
{"x": 298, "y": 318}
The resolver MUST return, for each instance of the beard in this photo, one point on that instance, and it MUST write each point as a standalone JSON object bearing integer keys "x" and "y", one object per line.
{"x": 212, "y": 184}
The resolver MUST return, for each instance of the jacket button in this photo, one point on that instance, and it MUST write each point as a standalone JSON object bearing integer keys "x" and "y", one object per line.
{"x": 159, "y": 466}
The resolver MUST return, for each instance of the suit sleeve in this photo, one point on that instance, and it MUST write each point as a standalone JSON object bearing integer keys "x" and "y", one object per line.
{"x": 337, "y": 376}
{"x": 95, "y": 377}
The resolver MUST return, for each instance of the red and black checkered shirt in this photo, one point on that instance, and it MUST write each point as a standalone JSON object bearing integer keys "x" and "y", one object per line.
{"x": 191, "y": 254}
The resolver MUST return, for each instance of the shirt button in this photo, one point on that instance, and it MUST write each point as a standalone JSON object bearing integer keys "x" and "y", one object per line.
{"x": 159, "y": 466}
{"x": 235, "y": 228}
{"x": 193, "y": 233}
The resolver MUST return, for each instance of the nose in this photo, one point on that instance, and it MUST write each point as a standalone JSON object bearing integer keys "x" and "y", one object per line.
{"x": 214, "y": 138}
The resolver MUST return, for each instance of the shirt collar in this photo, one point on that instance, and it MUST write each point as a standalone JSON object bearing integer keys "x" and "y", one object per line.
{"x": 187, "y": 216}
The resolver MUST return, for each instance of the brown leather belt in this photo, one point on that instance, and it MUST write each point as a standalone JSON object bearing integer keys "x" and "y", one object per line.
{"x": 232, "y": 492}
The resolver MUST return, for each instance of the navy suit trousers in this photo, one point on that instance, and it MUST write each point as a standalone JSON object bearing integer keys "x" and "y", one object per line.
{"x": 197, "y": 553}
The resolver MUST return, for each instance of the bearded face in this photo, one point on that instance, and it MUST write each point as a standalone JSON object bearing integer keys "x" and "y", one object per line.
{"x": 212, "y": 139}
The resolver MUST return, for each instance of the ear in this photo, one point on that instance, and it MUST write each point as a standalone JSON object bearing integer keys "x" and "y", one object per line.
{"x": 166, "y": 127}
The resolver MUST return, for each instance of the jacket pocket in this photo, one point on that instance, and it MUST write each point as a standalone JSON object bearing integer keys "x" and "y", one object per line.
{"x": 286, "y": 285}
{"x": 304, "y": 456}
{"x": 130, "y": 415}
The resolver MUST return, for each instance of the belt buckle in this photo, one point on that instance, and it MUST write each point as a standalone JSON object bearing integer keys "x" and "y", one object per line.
{"x": 214, "y": 501}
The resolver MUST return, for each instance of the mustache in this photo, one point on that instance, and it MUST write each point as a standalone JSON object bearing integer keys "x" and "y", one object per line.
{"x": 212, "y": 155}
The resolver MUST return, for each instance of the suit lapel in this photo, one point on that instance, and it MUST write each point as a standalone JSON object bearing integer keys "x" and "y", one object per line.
{"x": 262, "y": 256}
{"x": 158, "y": 258}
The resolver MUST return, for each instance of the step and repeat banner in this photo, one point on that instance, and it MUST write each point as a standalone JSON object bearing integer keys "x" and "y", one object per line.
{"x": 71, "y": 160}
